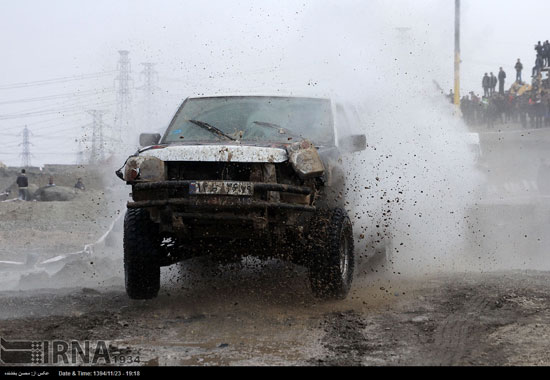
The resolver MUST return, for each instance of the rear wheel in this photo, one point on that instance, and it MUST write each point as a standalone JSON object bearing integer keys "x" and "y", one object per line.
{"x": 141, "y": 255}
{"x": 331, "y": 268}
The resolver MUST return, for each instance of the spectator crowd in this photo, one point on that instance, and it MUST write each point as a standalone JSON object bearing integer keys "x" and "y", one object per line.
{"x": 523, "y": 103}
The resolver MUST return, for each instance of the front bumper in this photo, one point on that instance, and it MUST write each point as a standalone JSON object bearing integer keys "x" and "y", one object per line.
{"x": 178, "y": 192}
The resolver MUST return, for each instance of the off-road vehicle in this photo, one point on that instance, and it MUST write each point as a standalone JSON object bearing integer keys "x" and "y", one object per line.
{"x": 236, "y": 176}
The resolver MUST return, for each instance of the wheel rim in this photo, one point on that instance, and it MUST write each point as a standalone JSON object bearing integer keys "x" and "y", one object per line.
{"x": 344, "y": 258}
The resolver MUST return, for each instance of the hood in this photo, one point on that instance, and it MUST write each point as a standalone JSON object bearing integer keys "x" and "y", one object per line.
{"x": 218, "y": 153}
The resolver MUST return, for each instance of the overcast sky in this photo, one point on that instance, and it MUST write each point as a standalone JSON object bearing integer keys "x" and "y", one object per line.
{"x": 233, "y": 46}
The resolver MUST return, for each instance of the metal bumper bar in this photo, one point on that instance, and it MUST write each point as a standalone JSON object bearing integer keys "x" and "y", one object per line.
{"x": 258, "y": 186}
{"x": 219, "y": 203}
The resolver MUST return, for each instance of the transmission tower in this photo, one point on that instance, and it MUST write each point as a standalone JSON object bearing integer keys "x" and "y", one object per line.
{"x": 26, "y": 152}
{"x": 149, "y": 87}
{"x": 123, "y": 83}
{"x": 98, "y": 141}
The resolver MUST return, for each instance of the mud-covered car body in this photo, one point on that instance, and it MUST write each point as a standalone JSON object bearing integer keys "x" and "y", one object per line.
{"x": 241, "y": 175}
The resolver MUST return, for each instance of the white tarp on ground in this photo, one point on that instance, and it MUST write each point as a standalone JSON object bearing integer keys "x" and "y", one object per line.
{"x": 32, "y": 268}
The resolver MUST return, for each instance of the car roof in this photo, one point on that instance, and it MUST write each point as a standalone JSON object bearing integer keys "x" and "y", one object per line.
{"x": 257, "y": 96}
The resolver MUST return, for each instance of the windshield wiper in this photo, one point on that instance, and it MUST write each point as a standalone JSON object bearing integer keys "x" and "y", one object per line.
{"x": 211, "y": 128}
{"x": 277, "y": 127}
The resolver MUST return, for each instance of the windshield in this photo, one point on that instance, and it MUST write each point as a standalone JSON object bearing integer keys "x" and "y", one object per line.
{"x": 252, "y": 119}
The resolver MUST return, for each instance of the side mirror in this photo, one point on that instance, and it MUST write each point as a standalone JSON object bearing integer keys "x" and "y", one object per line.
{"x": 146, "y": 139}
{"x": 353, "y": 143}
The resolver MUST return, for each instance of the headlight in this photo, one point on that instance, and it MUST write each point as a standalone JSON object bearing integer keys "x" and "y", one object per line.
{"x": 144, "y": 169}
{"x": 305, "y": 160}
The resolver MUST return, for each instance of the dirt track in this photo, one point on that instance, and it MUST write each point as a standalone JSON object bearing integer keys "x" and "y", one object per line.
{"x": 264, "y": 313}
{"x": 268, "y": 317}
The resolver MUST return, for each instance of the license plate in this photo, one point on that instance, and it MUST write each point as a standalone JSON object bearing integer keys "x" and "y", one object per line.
{"x": 221, "y": 188}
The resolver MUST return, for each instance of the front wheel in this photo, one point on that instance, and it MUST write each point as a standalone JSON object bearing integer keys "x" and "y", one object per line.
{"x": 331, "y": 269}
{"x": 141, "y": 255}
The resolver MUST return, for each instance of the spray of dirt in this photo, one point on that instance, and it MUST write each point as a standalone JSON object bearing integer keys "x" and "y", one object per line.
{"x": 420, "y": 183}
{"x": 417, "y": 179}
{"x": 420, "y": 180}
{"x": 419, "y": 176}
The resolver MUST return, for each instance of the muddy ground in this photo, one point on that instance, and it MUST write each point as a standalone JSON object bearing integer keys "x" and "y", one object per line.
{"x": 248, "y": 317}
{"x": 257, "y": 313}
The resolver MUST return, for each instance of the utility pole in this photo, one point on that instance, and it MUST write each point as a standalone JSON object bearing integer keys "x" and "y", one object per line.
{"x": 457, "y": 53}
{"x": 98, "y": 141}
{"x": 123, "y": 113}
{"x": 26, "y": 153}
{"x": 149, "y": 87}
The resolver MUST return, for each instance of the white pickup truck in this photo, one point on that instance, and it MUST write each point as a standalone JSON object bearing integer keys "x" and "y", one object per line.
{"x": 237, "y": 176}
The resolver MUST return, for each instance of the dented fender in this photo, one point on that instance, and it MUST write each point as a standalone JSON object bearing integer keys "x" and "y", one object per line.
{"x": 305, "y": 160}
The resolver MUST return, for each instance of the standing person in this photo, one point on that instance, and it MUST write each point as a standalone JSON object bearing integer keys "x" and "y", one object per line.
{"x": 539, "y": 48}
{"x": 23, "y": 183}
{"x": 501, "y": 78}
{"x": 493, "y": 82}
{"x": 546, "y": 53}
{"x": 486, "y": 84}
{"x": 538, "y": 66}
{"x": 519, "y": 68}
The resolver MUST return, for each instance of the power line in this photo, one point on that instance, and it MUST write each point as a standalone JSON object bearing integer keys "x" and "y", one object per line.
{"x": 44, "y": 121}
{"x": 55, "y": 80}
{"x": 12, "y": 145}
{"x": 51, "y": 111}
{"x": 37, "y": 153}
{"x": 53, "y": 107}
{"x": 61, "y": 105}
{"x": 52, "y": 129}
{"x": 59, "y": 132}
{"x": 57, "y": 96}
